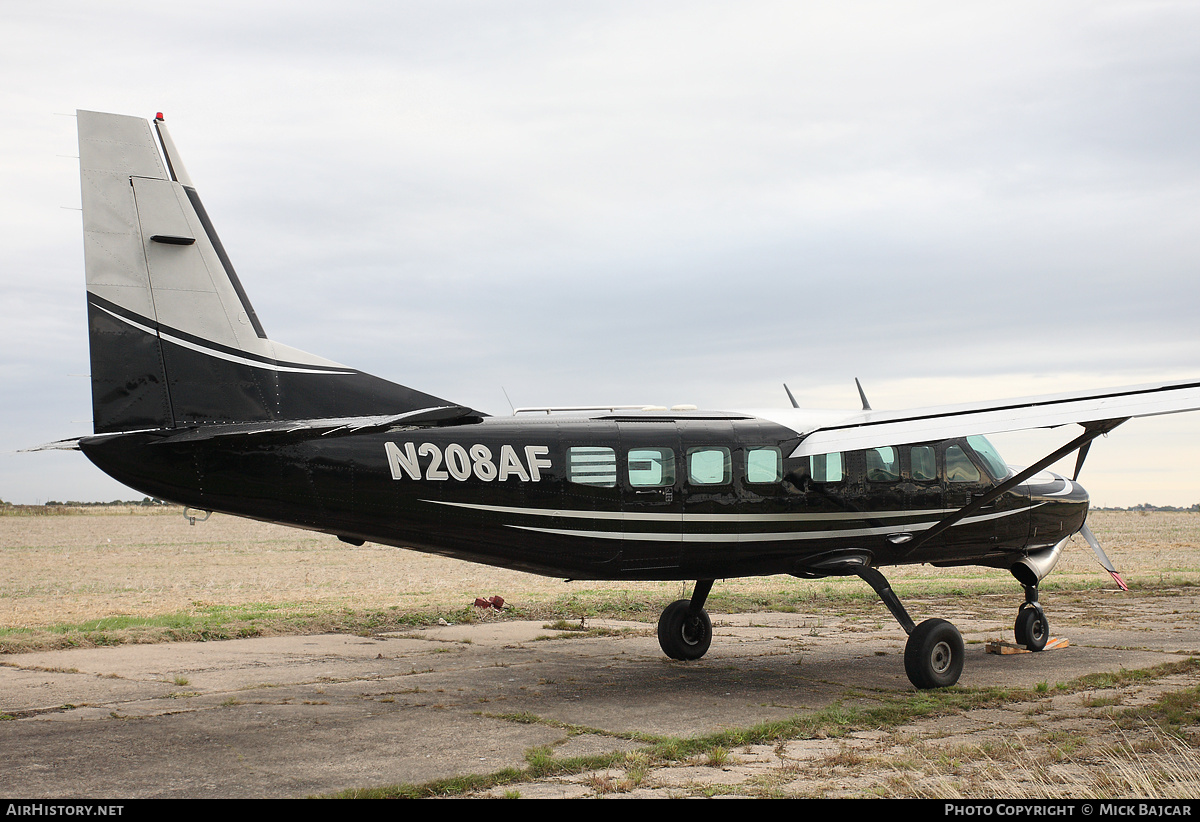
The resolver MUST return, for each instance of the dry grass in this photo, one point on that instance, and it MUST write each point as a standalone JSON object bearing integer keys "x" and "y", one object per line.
{"x": 143, "y": 563}
{"x": 1127, "y": 769}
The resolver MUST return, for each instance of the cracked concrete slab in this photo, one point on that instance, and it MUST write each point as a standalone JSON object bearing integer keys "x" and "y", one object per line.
{"x": 303, "y": 715}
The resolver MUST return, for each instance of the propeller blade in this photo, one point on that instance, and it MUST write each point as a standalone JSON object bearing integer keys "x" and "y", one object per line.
{"x": 1100, "y": 555}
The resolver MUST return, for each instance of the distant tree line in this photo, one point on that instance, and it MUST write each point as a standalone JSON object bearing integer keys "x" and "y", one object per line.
{"x": 58, "y": 507}
{"x": 147, "y": 501}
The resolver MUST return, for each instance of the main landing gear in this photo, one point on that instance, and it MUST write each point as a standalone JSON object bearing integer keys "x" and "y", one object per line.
{"x": 684, "y": 629}
{"x": 933, "y": 655}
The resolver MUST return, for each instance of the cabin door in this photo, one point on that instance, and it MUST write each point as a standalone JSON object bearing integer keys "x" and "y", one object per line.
{"x": 650, "y": 469}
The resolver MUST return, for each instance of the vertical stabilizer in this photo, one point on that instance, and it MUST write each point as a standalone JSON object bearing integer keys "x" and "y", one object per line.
{"x": 174, "y": 339}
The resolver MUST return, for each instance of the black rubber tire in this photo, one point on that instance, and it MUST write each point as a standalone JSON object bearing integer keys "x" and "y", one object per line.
{"x": 933, "y": 657}
{"x": 683, "y": 636}
{"x": 1032, "y": 629}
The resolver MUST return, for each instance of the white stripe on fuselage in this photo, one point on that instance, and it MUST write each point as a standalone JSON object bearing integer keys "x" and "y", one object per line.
{"x": 755, "y": 536}
{"x": 650, "y": 517}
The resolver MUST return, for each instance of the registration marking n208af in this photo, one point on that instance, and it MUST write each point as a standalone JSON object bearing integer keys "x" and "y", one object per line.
{"x": 461, "y": 462}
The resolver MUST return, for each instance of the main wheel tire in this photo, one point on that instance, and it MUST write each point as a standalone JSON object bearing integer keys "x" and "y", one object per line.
{"x": 933, "y": 657}
{"x": 1032, "y": 629}
{"x": 682, "y": 635}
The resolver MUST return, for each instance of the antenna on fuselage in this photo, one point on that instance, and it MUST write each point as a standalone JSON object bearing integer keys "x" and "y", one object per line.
{"x": 790, "y": 397}
{"x": 866, "y": 405}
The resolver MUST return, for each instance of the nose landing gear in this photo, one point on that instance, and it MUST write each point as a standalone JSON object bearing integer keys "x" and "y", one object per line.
{"x": 1032, "y": 628}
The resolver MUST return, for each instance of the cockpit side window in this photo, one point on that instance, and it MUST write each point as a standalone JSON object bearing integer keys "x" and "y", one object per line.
{"x": 959, "y": 467}
{"x": 990, "y": 457}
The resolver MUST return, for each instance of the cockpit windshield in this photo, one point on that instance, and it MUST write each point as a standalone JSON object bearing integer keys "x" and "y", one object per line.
{"x": 987, "y": 452}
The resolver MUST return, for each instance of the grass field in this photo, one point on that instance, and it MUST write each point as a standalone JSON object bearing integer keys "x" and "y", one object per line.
{"x": 91, "y": 576}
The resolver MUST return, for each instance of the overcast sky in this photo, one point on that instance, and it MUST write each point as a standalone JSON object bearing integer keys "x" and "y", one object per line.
{"x": 647, "y": 202}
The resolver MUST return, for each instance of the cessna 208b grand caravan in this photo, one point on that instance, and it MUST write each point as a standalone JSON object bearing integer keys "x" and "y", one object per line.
{"x": 193, "y": 403}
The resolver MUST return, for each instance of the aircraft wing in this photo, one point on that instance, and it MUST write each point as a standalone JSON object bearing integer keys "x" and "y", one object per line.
{"x": 872, "y": 429}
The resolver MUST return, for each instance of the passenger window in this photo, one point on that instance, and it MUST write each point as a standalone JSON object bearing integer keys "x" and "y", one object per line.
{"x": 592, "y": 466}
{"x": 923, "y": 463}
{"x": 882, "y": 465}
{"x": 709, "y": 466}
{"x": 825, "y": 467}
{"x": 764, "y": 465}
{"x": 651, "y": 467}
{"x": 959, "y": 467}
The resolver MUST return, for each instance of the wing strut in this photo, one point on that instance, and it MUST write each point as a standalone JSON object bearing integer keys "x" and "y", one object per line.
{"x": 1091, "y": 430}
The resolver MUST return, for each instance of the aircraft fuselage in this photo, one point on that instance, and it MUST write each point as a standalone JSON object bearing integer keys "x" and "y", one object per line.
{"x": 630, "y": 497}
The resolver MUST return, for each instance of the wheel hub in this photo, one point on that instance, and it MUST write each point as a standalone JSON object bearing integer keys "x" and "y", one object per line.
{"x": 941, "y": 657}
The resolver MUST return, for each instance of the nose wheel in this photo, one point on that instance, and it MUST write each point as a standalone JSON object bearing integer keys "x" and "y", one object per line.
{"x": 1032, "y": 628}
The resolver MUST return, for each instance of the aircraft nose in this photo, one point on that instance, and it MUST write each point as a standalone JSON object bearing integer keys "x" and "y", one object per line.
{"x": 1049, "y": 488}
{"x": 1058, "y": 505}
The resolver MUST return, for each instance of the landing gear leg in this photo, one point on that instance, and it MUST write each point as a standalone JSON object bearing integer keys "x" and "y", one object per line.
{"x": 1032, "y": 628}
{"x": 684, "y": 629}
{"x": 933, "y": 655}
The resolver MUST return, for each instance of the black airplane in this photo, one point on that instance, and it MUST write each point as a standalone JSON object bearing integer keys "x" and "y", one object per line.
{"x": 193, "y": 403}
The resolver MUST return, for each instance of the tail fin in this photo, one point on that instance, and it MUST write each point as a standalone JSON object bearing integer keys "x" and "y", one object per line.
{"x": 174, "y": 339}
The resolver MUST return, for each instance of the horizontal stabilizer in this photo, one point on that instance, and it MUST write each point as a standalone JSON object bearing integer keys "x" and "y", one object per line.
{"x": 58, "y": 445}
{"x": 440, "y": 415}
